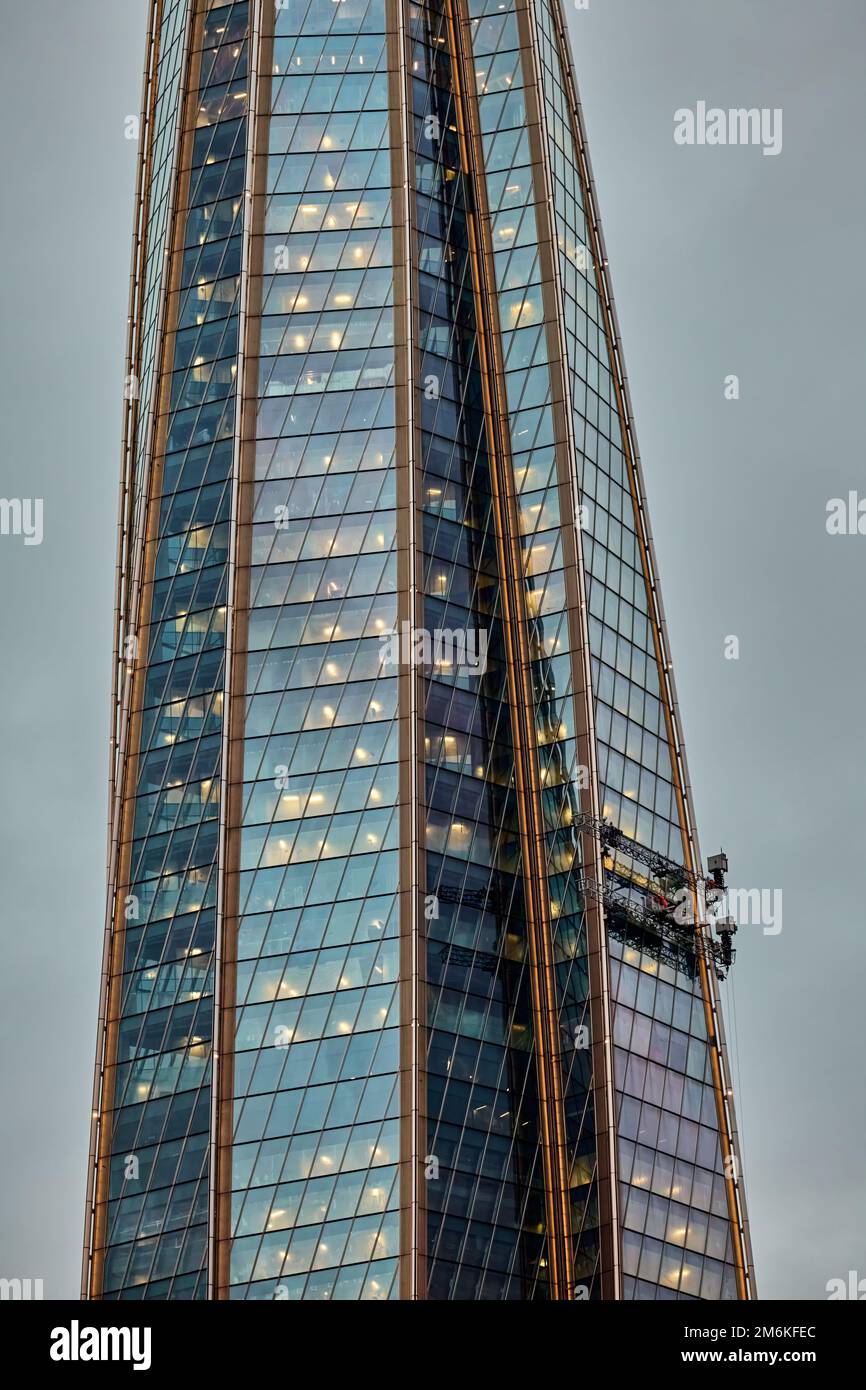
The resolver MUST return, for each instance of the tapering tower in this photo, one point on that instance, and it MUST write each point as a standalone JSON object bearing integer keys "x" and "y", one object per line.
{"x": 408, "y": 987}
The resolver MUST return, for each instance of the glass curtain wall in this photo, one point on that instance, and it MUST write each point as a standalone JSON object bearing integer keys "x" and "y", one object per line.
{"x": 156, "y": 1223}
{"x": 485, "y": 1189}
{"x": 316, "y": 1142}
{"x": 677, "y": 1238}
{"x": 386, "y": 283}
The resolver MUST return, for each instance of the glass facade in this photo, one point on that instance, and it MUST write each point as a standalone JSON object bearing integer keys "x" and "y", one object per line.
{"x": 382, "y": 1018}
{"x": 485, "y": 1206}
{"x": 315, "y": 1191}
{"x": 670, "y": 1162}
{"x": 157, "y": 1134}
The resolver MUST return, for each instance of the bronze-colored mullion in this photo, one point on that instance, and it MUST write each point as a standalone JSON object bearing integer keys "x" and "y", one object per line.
{"x": 515, "y": 624}
{"x": 260, "y": 45}
{"x": 410, "y": 681}
{"x": 140, "y": 586}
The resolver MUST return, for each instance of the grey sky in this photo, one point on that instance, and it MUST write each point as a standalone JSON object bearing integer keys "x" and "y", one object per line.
{"x": 723, "y": 261}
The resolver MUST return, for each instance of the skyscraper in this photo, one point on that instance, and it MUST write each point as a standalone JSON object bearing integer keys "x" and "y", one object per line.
{"x": 408, "y": 986}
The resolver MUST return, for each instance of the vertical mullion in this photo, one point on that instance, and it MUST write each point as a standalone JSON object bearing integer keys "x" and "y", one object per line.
{"x": 515, "y": 629}
{"x": 413, "y": 1207}
{"x": 219, "y": 1164}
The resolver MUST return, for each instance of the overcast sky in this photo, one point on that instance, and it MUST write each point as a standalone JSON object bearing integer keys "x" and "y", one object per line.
{"x": 724, "y": 261}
